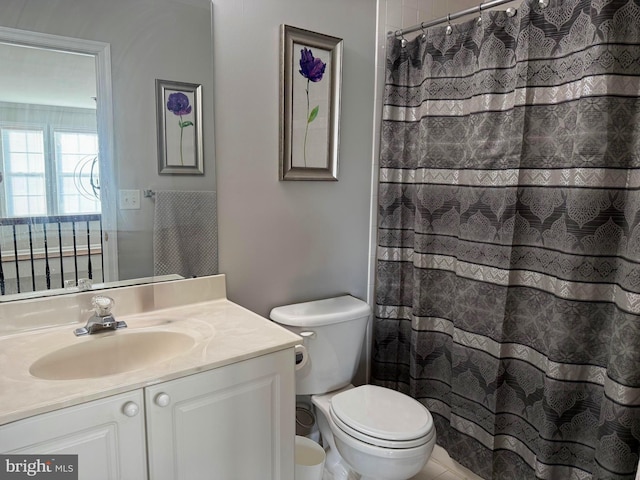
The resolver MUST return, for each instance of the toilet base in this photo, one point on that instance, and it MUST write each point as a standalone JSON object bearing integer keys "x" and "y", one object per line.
{"x": 350, "y": 476}
{"x": 329, "y": 476}
{"x": 380, "y": 468}
{"x": 341, "y": 471}
{"x": 334, "y": 463}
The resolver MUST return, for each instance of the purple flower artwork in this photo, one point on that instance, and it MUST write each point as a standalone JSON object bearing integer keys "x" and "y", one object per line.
{"x": 178, "y": 104}
{"x": 312, "y": 69}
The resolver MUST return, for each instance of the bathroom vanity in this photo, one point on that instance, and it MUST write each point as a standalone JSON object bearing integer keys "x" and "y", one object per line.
{"x": 216, "y": 401}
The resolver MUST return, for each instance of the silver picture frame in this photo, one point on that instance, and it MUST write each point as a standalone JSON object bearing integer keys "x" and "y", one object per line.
{"x": 179, "y": 117}
{"x": 310, "y": 96}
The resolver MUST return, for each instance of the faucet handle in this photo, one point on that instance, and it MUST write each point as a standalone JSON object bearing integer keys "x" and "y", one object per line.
{"x": 102, "y": 305}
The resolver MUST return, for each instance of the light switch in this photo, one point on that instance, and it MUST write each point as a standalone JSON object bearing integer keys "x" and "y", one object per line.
{"x": 129, "y": 199}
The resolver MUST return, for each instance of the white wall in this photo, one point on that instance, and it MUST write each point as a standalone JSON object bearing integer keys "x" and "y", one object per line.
{"x": 285, "y": 242}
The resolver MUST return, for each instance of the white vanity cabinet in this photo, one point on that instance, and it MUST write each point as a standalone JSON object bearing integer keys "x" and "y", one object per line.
{"x": 235, "y": 422}
{"x": 231, "y": 423}
{"x": 108, "y": 435}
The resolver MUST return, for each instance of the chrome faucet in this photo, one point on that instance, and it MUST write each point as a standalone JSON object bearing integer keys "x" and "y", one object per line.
{"x": 102, "y": 319}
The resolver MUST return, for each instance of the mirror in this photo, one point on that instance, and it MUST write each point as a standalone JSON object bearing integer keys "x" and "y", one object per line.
{"x": 78, "y": 140}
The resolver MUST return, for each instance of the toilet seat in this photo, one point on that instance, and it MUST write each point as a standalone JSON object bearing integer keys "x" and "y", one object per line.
{"x": 383, "y": 417}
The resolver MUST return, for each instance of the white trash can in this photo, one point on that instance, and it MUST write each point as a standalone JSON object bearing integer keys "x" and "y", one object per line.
{"x": 309, "y": 458}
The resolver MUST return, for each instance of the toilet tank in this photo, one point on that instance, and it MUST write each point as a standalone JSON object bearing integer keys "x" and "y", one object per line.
{"x": 333, "y": 330}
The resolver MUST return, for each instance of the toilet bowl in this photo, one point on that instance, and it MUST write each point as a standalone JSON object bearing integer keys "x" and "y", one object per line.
{"x": 378, "y": 433}
{"x": 372, "y": 431}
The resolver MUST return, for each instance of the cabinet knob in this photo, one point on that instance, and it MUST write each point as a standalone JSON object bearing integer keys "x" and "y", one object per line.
{"x": 163, "y": 399}
{"x": 130, "y": 409}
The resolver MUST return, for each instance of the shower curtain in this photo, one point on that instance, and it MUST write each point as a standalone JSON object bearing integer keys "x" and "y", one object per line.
{"x": 508, "y": 271}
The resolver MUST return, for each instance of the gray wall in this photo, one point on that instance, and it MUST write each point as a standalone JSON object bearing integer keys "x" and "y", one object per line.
{"x": 284, "y": 242}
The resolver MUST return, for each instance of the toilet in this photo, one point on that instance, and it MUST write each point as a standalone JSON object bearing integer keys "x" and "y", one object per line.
{"x": 375, "y": 432}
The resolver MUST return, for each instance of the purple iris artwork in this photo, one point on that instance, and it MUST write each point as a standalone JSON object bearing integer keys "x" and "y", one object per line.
{"x": 312, "y": 69}
{"x": 178, "y": 104}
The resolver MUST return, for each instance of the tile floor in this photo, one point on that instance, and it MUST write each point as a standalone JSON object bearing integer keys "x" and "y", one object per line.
{"x": 441, "y": 467}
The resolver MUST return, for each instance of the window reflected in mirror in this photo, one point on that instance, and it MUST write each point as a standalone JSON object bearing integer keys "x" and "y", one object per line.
{"x": 68, "y": 184}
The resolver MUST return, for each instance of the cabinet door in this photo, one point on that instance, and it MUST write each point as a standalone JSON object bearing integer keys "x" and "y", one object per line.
{"x": 107, "y": 435}
{"x": 231, "y": 423}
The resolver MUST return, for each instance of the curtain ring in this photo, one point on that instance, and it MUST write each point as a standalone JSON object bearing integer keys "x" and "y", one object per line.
{"x": 479, "y": 20}
{"x": 449, "y": 29}
{"x": 424, "y": 34}
{"x": 543, "y": 3}
{"x": 400, "y": 35}
{"x": 511, "y": 12}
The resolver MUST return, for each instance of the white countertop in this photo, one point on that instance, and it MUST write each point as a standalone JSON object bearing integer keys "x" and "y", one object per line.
{"x": 224, "y": 333}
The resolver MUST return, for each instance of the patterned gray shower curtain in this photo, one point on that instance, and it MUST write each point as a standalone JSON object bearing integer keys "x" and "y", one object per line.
{"x": 508, "y": 272}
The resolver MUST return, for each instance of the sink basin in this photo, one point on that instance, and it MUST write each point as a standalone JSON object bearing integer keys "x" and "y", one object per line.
{"x": 109, "y": 354}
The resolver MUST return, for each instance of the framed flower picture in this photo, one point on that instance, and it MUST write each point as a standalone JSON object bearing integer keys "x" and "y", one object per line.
{"x": 179, "y": 116}
{"x": 310, "y": 83}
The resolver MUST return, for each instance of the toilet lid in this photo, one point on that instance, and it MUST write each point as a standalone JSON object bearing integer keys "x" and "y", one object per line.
{"x": 383, "y": 414}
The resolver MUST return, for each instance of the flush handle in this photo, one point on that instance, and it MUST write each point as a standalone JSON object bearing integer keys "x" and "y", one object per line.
{"x": 307, "y": 334}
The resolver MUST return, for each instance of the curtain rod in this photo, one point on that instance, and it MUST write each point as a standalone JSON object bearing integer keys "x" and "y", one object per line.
{"x": 461, "y": 13}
